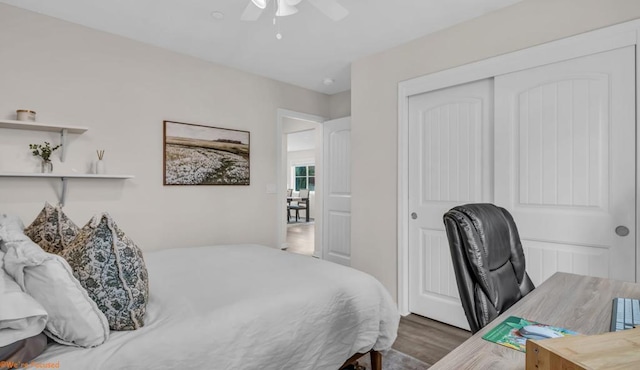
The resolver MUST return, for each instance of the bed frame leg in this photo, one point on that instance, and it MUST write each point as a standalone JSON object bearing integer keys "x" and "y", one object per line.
{"x": 376, "y": 360}
{"x": 375, "y": 357}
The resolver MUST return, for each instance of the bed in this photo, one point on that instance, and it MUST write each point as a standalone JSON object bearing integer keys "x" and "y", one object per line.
{"x": 245, "y": 307}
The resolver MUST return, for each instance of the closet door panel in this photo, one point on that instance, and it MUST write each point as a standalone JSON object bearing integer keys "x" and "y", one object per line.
{"x": 450, "y": 163}
{"x": 565, "y": 163}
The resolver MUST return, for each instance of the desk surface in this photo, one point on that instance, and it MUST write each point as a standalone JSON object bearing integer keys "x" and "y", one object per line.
{"x": 580, "y": 303}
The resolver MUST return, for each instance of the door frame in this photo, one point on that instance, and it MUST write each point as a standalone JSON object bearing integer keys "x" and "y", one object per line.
{"x": 605, "y": 39}
{"x": 281, "y": 170}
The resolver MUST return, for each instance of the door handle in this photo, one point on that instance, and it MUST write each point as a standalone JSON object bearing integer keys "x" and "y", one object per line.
{"x": 622, "y": 230}
{"x": 414, "y": 215}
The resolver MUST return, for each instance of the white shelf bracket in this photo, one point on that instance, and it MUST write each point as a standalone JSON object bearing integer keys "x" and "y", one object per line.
{"x": 63, "y": 194}
{"x": 63, "y": 142}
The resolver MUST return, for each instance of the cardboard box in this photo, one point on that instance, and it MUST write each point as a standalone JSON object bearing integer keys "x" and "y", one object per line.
{"x": 615, "y": 350}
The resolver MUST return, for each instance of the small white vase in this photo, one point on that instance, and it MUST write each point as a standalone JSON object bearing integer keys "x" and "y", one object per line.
{"x": 46, "y": 167}
{"x": 100, "y": 167}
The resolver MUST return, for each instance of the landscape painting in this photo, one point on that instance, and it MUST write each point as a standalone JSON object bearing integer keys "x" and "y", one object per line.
{"x": 204, "y": 155}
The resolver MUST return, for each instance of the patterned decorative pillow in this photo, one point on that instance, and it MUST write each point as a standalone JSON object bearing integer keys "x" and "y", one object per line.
{"x": 111, "y": 268}
{"x": 52, "y": 230}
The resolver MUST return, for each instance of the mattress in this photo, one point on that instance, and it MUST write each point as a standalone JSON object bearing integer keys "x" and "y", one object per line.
{"x": 245, "y": 307}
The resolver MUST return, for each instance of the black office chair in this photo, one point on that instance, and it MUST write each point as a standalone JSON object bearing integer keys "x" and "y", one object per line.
{"x": 488, "y": 261}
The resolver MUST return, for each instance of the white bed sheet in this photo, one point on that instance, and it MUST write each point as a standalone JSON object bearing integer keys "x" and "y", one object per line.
{"x": 245, "y": 307}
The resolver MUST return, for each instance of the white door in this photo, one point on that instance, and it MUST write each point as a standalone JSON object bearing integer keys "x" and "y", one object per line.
{"x": 565, "y": 164}
{"x": 450, "y": 163}
{"x": 337, "y": 191}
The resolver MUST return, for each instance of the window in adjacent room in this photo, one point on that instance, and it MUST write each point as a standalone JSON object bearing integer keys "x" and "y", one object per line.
{"x": 305, "y": 177}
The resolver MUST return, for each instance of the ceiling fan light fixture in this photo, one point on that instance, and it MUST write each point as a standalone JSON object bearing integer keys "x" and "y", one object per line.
{"x": 284, "y": 9}
{"x": 260, "y": 3}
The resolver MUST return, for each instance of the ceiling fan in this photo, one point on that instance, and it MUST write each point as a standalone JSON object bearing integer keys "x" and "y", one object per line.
{"x": 331, "y": 8}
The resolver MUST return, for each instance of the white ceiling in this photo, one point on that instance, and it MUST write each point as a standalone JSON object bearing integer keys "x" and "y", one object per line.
{"x": 312, "y": 48}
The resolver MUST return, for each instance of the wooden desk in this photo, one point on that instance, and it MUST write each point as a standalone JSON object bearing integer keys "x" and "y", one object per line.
{"x": 580, "y": 303}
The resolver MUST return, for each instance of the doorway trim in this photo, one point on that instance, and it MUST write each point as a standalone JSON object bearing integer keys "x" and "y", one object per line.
{"x": 609, "y": 38}
{"x": 281, "y": 191}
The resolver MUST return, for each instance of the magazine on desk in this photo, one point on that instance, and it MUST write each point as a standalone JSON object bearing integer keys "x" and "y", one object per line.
{"x": 508, "y": 333}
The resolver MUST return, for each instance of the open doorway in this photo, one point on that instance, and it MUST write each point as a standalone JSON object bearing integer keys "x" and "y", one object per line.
{"x": 300, "y": 148}
{"x": 301, "y": 189}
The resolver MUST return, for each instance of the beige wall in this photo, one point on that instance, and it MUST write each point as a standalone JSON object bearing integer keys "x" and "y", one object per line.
{"x": 122, "y": 91}
{"x": 340, "y": 104}
{"x": 374, "y": 103}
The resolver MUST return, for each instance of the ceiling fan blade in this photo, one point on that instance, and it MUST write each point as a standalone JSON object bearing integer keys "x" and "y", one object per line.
{"x": 251, "y": 12}
{"x": 331, "y": 8}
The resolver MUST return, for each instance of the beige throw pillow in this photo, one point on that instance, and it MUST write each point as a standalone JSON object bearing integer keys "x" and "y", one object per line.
{"x": 52, "y": 230}
{"x": 111, "y": 268}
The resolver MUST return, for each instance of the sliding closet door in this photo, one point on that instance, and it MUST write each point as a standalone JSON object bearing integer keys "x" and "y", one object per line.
{"x": 450, "y": 163}
{"x": 565, "y": 163}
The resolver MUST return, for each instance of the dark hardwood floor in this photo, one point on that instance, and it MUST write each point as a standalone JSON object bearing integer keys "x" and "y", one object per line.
{"x": 427, "y": 340}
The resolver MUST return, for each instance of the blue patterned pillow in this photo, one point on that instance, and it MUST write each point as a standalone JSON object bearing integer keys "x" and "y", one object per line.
{"x": 52, "y": 230}
{"x": 111, "y": 268}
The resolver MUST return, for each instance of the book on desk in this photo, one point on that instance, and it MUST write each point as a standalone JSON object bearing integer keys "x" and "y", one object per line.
{"x": 508, "y": 332}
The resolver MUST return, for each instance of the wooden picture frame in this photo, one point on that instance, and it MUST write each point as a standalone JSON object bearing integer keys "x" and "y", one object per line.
{"x": 205, "y": 155}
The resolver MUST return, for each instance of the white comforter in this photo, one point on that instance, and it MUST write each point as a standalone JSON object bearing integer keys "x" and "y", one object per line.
{"x": 245, "y": 307}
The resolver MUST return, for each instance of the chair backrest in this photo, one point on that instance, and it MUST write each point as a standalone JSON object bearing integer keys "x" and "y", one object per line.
{"x": 289, "y": 193}
{"x": 304, "y": 193}
{"x": 488, "y": 261}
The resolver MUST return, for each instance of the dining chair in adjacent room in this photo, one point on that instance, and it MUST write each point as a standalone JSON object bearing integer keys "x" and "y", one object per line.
{"x": 289, "y": 195}
{"x": 488, "y": 261}
{"x": 301, "y": 204}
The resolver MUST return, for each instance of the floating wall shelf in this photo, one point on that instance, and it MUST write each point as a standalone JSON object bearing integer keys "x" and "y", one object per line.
{"x": 64, "y": 177}
{"x": 40, "y": 126}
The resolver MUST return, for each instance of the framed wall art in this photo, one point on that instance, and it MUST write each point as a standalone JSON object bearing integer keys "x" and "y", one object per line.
{"x": 205, "y": 155}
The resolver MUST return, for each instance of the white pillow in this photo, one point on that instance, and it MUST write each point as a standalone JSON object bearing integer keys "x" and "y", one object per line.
{"x": 11, "y": 228}
{"x": 21, "y": 316}
{"x": 74, "y": 319}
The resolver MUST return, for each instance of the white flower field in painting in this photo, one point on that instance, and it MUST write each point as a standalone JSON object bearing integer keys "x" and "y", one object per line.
{"x": 197, "y": 161}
